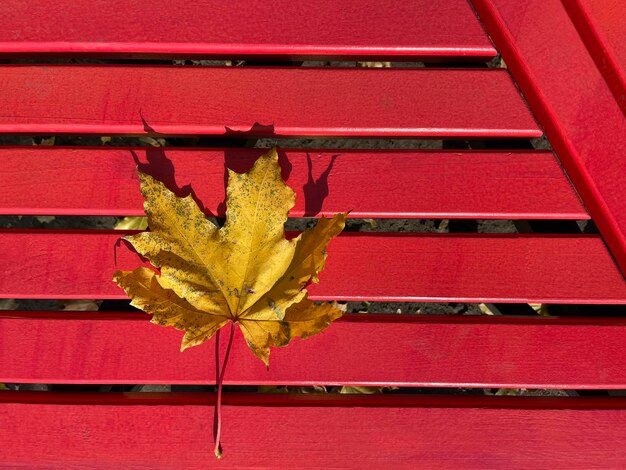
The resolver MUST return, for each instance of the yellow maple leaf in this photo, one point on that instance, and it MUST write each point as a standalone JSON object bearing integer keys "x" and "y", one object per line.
{"x": 246, "y": 272}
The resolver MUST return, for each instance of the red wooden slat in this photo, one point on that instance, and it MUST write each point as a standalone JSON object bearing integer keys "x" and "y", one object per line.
{"x": 261, "y": 101}
{"x": 600, "y": 24}
{"x": 124, "y": 347}
{"x": 260, "y": 431}
{"x": 571, "y": 100}
{"x": 361, "y": 266}
{"x": 371, "y": 183}
{"x": 281, "y": 28}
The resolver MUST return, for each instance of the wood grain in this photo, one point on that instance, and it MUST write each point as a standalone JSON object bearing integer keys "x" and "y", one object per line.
{"x": 370, "y": 183}
{"x": 258, "y": 101}
{"x": 572, "y": 100}
{"x": 406, "y": 350}
{"x": 282, "y": 29}
{"x": 600, "y": 24}
{"x": 174, "y": 431}
{"x": 361, "y": 266}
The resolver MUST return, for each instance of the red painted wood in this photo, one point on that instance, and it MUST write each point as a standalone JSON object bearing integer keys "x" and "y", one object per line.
{"x": 361, "y": 266}
{"x": 371, "y": 183}
{"x": 262, "y": 101}
{"x": 600, "y": 24}
{"x": 305, "y": 431}
{"x": 571, "y": 100}
{"x": 407, "y": 350}
{"x": 281, "y": 28}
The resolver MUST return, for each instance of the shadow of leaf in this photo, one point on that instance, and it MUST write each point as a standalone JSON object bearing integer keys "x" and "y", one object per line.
{"x": 316, "y": 191}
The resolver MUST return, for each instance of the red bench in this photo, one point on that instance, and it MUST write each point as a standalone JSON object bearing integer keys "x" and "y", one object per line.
{"x": 568, "y": 61}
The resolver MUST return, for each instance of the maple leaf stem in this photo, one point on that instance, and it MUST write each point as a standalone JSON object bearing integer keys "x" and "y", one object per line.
{"x": 218, "y": 404}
